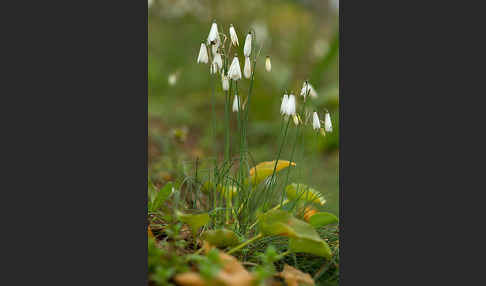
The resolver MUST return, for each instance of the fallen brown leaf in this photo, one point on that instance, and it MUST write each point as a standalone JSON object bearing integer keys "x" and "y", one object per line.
{"x": 189, "y": 279}
{"x": 232, "y": 274}
{"x": 293, "y": 276}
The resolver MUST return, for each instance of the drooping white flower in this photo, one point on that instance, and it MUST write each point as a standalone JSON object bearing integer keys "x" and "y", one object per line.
{"x": 233, "y": 36}
{"x": 234, "y": 72}
{"x": 308, "y": 89}
{"x": 316, "y": 124}
{"x": 327, "y": 122}
{"x": 203, "y": 54}
{"x": 235, "y": 103}
{"x": 218, "y": 61}
{"x": 213, "y": 68}
{"x": 247, "y": 47}
{"x": 268, "y": 64}
{"x": 290, "y": 109}
{"x": 213, "y": 36}
{"x": 172, "y": 79}
{"x": 225, "y": 80}
{"x": 247, "y": 68}
{"x": 283, "y": 106}
{"x": 305, "y": 89}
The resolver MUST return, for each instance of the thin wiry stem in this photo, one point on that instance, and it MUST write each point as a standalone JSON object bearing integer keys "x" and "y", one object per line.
{"x": 278, "y": 156}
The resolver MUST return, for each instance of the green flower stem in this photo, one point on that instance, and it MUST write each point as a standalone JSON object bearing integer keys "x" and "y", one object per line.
{"x": 238, "y": 247}
{"x": 282, "y": 255}
{"x": 278, "y": 156}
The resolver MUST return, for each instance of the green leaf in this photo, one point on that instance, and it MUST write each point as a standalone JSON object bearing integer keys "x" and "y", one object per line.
{"x": 302, "y": 236}
{"x": 301, "y": 192}
{"x": 276, "y": 222}
{"x": 322, "y": 219}
{"x": 221, "y": 237}
{"x": 313, "y": 246}
{"x": 160, "y": 197}
{"x": 195, "y": 221}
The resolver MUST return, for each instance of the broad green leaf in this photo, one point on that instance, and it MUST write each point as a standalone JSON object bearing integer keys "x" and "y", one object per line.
{"x": 265, "y": 169}
{"x": 301, "y": 192}
{"x": 195, "y": 221}
{"x": 160, "y": 197}
{"x": 276, "y": 222}
{"x": 313, "y": 246}
{"x": 221, "y": 237}
{"x": 322, "y": 219}
{"x": 302, "y": 236}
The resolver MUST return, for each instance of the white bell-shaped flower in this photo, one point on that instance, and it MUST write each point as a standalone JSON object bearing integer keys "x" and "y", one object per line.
{"x": 218, "y": 61}
{"x": 234, "y": 72}
{"x": 203, "y": 54}
{"x": 316, "y": 124}
{"x": 235, "y": 103}
{"x": 290, "y": 108}
{"x": 213, "y": 36}
{"x": 233, "y": 36}
{"x": 308, "y": 89}
{"x": 213, "y": 68}
{"x": 283, "y": 106}
{"x": 268, "y": 64}
{"x": 247, "y": 47}
{"x": 327, "y": 122}
{"x": 225, "y": 81}
{"x": 247, "y": 68}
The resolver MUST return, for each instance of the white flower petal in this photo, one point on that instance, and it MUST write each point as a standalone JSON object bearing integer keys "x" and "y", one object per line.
{"x": 235, "y": 70}
{"x": 283, "y": 106}
{"x": 290, "y": 110}
{"x": 247, "y": 68}
{"x": 235, "y": 103}
{"x": 214, "y": 34}
{"x": 327, "y": 122}
{"x": 218, "y": 61}
{"x": 203, "y": 54}
{"x": 247, "y": 47}
{"x": 316, "y": 124}
{"x": 225, "y": 81}
{"x": 268, "y": 64}
{"x": 233, "y": 36}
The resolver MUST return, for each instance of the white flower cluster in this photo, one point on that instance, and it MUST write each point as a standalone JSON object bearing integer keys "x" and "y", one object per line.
{"x": 213, "y": 43}
{"x": 233, "y": 72}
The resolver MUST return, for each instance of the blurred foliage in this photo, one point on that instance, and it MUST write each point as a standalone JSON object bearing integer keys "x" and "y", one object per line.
{"x": 301, "y": 39}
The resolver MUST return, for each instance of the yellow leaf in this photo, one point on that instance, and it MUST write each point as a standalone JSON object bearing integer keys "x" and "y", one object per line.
{"x": 301, "y": 192}
{"x": 265, "y": 169}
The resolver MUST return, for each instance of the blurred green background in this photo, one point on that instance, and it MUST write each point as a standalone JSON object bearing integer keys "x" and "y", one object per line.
{"x": 301, "y": 38}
